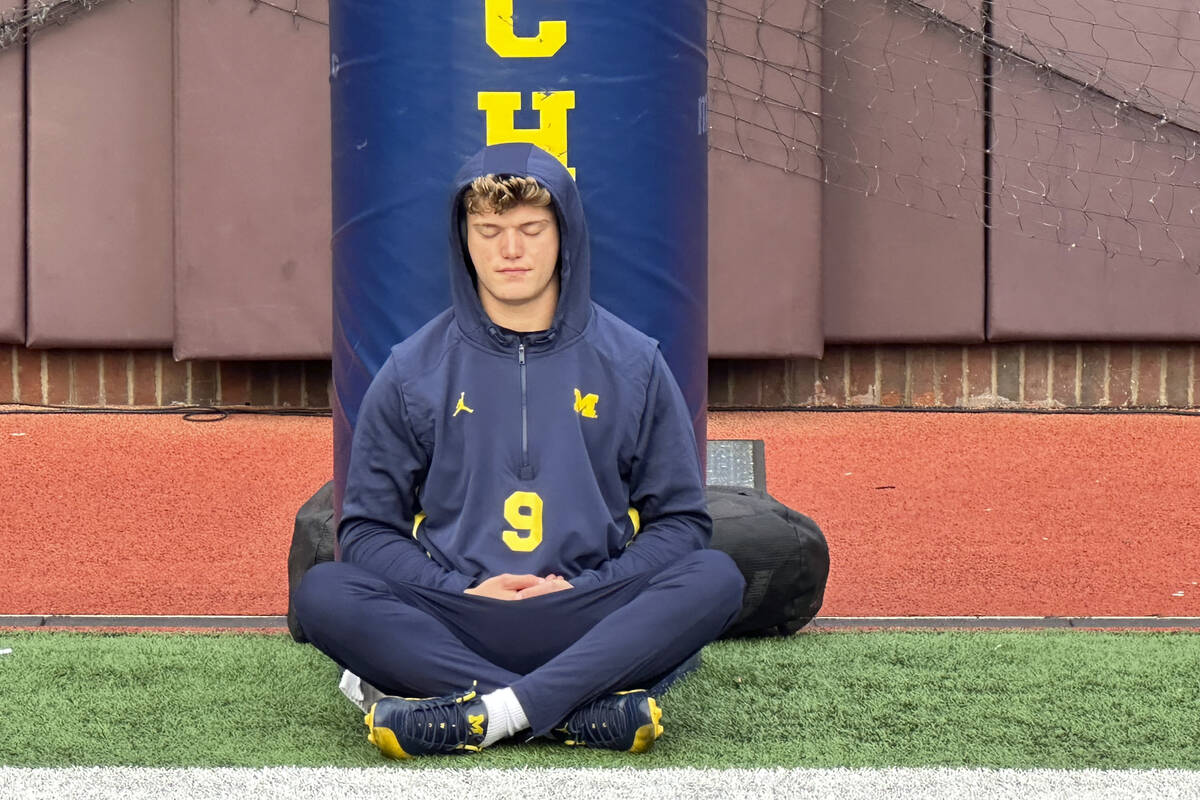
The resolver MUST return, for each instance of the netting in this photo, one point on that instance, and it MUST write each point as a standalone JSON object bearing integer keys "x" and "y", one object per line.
{"x": 21, "y": 22}
{"x": 1075, "y": 121}
{"x": 1069, "y": 120}
{"x": 18, "y": 23}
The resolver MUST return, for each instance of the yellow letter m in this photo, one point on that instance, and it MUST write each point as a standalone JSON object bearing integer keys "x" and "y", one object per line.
{"x": 586, "y": 404}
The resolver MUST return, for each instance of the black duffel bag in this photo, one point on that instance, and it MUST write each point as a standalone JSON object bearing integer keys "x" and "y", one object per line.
{"x": 312, "y": 543}
{"x": 780, "y": 552}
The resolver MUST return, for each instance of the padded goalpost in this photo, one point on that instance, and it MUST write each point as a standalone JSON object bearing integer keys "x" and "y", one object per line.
{"x": 615, "y": 89}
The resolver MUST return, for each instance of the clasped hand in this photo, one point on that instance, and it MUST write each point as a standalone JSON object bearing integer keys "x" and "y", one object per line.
{"x": 519, "y": 587}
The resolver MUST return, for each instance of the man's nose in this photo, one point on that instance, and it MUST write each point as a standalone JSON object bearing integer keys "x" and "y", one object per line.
{"x": 511, "y": 246}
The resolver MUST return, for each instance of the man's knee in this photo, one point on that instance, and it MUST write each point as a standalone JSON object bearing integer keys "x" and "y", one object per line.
{"x": 720, "y": 576}
{"x": 318, "y": 597}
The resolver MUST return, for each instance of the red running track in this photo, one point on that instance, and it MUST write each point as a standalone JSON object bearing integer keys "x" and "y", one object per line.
{"x": 926, "y": 514}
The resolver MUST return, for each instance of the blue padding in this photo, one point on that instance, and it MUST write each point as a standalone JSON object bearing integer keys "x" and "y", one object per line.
{"x": 405, "y": 81}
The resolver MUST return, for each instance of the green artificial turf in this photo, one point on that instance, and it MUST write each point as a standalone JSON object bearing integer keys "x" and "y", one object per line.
{"x": 1049, "y": 699}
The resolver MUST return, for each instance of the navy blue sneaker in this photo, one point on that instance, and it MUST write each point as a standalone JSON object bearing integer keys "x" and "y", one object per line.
{"x": 622, "y": 721}
{"x": 404, "y": 727}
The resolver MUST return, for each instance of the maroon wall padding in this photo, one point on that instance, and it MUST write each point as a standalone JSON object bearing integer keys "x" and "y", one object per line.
{"x": 966, "y": 13}
{"x": 12, "y": 190}
{"x": 252, "y": 272}
{"x": 764, "y": 205}
{"x": 100, "y": 179}
{"x": 1146, "y": 53}
{"x": 893, "y": 273}
{"x": 763, "y": 261}
{"x": 1096, "y": 174}
{"x": 100, "y": 202}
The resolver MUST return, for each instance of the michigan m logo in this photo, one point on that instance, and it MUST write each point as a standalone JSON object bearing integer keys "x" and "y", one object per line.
{"x": 585, "y": 405}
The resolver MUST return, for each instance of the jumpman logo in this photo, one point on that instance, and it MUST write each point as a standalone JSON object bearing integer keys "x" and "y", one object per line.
{"x": 462, "y": 405}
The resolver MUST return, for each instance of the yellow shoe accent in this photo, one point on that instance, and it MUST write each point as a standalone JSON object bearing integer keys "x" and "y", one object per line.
{"x": 383, "y": 738}
{"x": 646, "y": 735}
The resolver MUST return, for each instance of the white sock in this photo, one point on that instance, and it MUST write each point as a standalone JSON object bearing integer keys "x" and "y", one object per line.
{"x": 504, "y": 715}
{"x": 358, "y": 691}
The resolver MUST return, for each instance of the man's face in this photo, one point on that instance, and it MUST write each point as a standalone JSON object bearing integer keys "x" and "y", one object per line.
{"x": 515, "y": 254}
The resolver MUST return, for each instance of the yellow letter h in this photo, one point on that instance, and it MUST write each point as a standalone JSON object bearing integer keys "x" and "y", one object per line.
{"x": 500, "y": 110}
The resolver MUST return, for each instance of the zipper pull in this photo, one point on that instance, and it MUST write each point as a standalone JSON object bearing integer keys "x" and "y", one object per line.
{"x": 521, "y": 354}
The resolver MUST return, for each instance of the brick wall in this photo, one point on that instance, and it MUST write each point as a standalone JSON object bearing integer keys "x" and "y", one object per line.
{"x": 1036, "y": 375}
{"x": 153, "y": 378}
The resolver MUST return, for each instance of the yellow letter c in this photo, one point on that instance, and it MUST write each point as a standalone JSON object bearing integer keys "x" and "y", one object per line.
{"x": 498, "y": 29}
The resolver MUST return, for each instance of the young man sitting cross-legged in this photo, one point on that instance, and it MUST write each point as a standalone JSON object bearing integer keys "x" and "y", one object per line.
{"x": 524, "y": 531}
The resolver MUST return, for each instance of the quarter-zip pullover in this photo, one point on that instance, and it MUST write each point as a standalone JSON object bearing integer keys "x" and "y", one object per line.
{"x": 464, "y": 467}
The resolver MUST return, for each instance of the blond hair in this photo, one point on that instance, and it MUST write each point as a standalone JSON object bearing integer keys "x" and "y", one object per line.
{"x": 496, "y": 194}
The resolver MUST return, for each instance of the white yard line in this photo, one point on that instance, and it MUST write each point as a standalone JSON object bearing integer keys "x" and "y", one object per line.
{"x": 393, "y": 781}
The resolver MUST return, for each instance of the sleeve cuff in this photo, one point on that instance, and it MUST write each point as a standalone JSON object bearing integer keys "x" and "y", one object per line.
{"x": 459, "y": 582}
{"x": 585, "y": 580}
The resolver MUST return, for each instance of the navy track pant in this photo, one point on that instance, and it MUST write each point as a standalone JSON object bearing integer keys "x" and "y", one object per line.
{"x": 557, "y": 651}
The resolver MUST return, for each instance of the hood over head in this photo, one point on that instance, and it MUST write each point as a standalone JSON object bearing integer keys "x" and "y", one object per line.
{"x": 574, "y": 261}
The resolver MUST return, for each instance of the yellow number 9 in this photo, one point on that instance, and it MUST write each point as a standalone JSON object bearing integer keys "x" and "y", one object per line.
{"x": 523, "y": 510}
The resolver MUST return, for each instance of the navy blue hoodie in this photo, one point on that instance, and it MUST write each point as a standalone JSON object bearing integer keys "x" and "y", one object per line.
{"x": 478, "y": 451}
